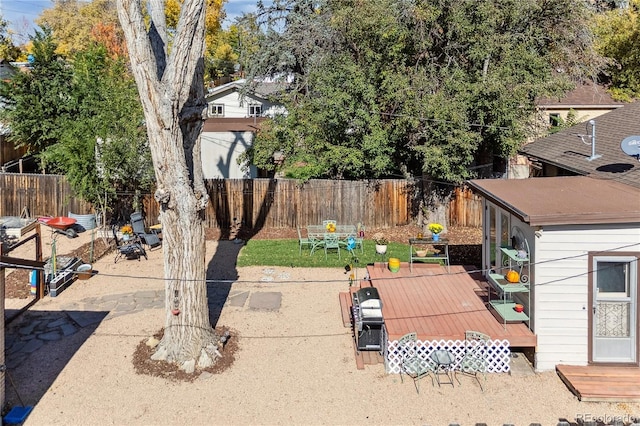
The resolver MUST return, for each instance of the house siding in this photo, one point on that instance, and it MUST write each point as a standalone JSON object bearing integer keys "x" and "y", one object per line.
{"x": 560, "y": 290}
{"x": 220, "y": 153}
{"x": 235, "y": 107}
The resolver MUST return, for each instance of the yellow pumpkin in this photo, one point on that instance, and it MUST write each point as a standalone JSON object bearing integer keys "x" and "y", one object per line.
{"x": 513, "y": 277}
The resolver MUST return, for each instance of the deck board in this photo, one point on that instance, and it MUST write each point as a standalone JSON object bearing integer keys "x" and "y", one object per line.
{"x": 439, "y": 306}
{"x": 602, "y": 383}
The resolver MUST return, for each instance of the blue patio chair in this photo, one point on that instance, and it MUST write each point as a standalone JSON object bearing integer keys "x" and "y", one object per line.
{"x": 304, "y": 241}
{"x": 474, "y": 361}
{"x": 331, "y": 242}
{"x": 137, "y": 223}
{"x": 411, "y": 363}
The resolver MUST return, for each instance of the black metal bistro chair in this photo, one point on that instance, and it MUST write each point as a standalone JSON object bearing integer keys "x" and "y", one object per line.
{"x": 131, "y": 249}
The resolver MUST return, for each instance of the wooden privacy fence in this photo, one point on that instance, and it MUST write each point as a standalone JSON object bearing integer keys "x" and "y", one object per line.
{"x": 259, "y": 203}
{"x": 42, "y": 195}
{"x": 285, "y": 203}
{"x": 465, "y": 208}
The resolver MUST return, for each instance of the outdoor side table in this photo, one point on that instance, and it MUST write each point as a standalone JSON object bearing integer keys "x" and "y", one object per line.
{"x": 444, "y": 361}
{"x": 429, "y": 241}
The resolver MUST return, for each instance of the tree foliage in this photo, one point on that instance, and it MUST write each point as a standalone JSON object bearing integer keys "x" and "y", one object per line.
{"x": 8, "y": 51}
{"x": 60, "y": 110}
{"x": 618, "y": 33}
{"x": 413, "y": 87}
{"x": 76, "y": 24}
{"x": 38, "y": 102}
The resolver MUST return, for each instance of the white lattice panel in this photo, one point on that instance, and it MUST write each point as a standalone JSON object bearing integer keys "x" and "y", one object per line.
{"x": 498, "y": 353}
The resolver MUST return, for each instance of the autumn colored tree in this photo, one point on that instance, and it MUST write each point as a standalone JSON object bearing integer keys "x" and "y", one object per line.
{"x": 75, "y": 22}
{"x": 618, "y": 32}
{"x": 8, "y": 50}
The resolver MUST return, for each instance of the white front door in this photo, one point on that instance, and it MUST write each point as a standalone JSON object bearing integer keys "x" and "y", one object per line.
{"x": 614, "y": 324}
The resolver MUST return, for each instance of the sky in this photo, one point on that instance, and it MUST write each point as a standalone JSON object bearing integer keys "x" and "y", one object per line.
{"x": 22, "y": 13}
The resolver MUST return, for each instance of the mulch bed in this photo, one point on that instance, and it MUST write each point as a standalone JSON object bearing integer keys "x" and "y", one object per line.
{"x": 143, "y": 364}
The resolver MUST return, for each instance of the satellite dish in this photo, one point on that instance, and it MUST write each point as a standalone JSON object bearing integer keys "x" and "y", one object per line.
{"x": 631, "y": 146}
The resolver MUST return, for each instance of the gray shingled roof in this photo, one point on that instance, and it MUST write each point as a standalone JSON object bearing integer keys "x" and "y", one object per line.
{"x": 566, "y": 151}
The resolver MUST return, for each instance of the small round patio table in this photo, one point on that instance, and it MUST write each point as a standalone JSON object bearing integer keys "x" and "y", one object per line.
{"x": 443, "y": 360}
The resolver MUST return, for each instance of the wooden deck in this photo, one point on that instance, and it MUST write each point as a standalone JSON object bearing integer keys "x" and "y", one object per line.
{"x": 602, "y": 383}
{"x": 439, "y": 305}
{"x": 435, "y": 304}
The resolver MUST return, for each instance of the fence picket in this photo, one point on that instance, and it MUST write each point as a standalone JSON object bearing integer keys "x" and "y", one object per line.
{"x": 272, "y": 203}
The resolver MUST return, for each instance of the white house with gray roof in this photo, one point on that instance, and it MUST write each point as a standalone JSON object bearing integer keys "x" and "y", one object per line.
{"x": 234, "y": 119}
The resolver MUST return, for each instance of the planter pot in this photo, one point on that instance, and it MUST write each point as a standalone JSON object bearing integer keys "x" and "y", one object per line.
{"x": 394, "y": 264}
{"x": 381, "y": 249}
{"x": 84, "y": 271}
{"x": 84, "y": 222}
{"x": 436, "y": 237}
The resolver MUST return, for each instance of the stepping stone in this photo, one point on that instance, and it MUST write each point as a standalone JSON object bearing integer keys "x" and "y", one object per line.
{"x": 32, "y": 346}
{"x": 238, "y": 299}
{"x": 68, "y": 329}
{"x": 125, "y": 307}
{"x": 149, "y": 294}
{"x": 267, "y": 301}
{"x": 29, "y": 328}
{"x": 50, "y": 336}
{"x": 85, "y": 318}
{"x": 16, "y": 347}
{"x": 147, "y": 303}
{"x": 58, "y": 322}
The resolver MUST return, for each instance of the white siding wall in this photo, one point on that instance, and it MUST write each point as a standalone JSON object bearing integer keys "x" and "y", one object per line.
{"x": 233, "y": 108}
{"x": 560, "y": 293}
{"x": 220, "y": 152}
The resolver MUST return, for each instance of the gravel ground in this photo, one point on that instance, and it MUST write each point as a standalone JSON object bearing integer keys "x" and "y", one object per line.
{"x": 293, "y": 365}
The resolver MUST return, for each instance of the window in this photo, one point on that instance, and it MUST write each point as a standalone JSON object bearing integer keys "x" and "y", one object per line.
{"x": 554, "y": 119}
{"x": 216, "y": 110}
{"x": 612, "y": 279}
{"x": 255, "y": 110}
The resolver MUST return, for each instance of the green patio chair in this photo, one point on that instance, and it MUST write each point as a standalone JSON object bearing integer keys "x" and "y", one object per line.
{"x": 304, "y": 241}
{"x": 331, "y": 242}
{"x": 474, "y": 361}
{"x": 411, "y": 363}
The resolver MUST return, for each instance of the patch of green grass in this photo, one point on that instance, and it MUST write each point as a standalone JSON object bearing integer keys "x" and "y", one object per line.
{"x": 286, "y": 253}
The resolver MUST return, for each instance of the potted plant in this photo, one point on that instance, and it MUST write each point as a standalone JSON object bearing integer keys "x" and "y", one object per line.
{"x": 381, "y": 242}
{"x": 127, "y": 232}
{"x": 435, "y": 229}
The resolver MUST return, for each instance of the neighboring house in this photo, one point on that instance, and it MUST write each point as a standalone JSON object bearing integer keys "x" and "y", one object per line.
{"x": 581, "y": 239}
{"x": 233, "y": 121}
{"x": 587, "y": 101}
{"x": 571, "y": 151}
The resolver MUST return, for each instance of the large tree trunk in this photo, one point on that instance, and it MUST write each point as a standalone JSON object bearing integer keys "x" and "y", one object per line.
{"x": 172, "y": 94}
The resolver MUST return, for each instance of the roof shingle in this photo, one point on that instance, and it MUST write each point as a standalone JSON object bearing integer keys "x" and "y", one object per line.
{"x": 566, "y": 150}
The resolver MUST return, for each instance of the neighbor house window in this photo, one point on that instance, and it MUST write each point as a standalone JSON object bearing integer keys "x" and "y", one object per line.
{"x": 255, "y": 110}
{"x": 554, "y": 119}
{"x": 216, "y": 110}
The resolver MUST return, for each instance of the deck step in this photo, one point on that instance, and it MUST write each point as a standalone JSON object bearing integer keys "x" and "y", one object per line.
{"x": 345, "y": 308}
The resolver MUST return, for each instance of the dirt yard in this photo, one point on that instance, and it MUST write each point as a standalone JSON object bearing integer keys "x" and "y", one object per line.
{"x": 292, "y": 364}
